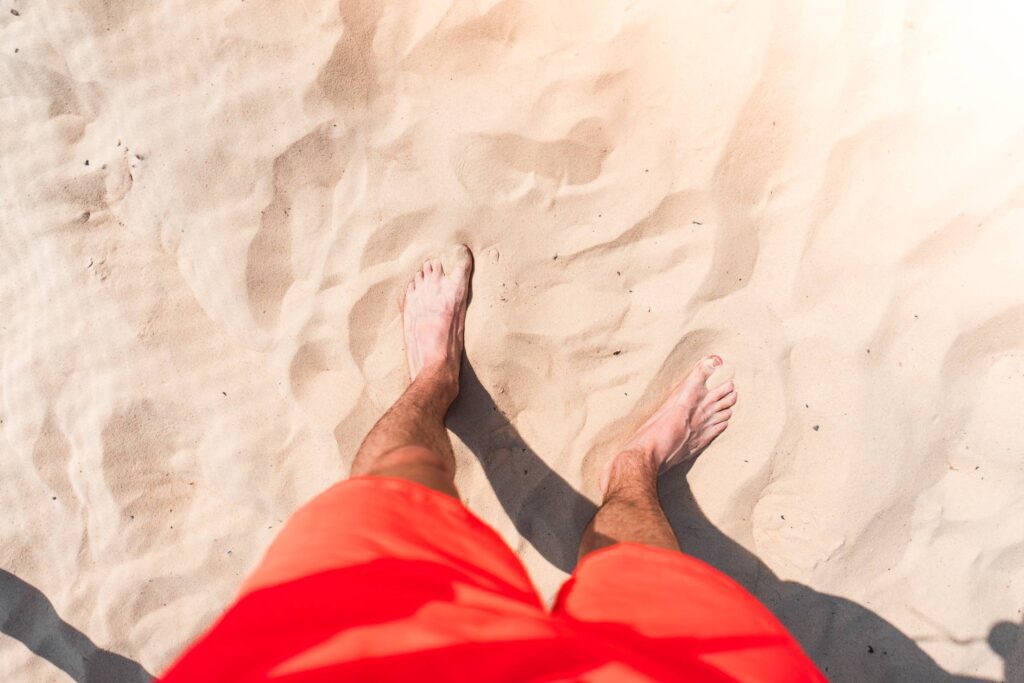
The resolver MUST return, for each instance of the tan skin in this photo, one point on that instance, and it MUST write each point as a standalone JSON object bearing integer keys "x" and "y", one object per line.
{"x": 411, "y": 441}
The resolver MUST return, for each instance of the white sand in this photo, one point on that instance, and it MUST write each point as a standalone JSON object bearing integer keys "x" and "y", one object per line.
{"x": 200, "y": 324}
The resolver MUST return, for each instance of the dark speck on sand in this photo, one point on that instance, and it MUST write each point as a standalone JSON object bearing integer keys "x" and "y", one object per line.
{"x": 817, "y": 427}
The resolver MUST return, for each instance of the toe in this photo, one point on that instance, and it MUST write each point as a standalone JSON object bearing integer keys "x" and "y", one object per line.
{"x": 435, "y": 267}
{"x": 695, "y": 381}
{"x": 720, "y": 416}
{"x": 714, "y": 430}
{"x": 708, "y": 365}
{"x": 727, "y": 401}
{"x": 427, "y": 267}
{"x": 459, "y": 260}
{"x": 720, "y": 392}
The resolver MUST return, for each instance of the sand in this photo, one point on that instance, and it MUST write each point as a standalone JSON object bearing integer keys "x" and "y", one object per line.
{"x": 209, "y": 211}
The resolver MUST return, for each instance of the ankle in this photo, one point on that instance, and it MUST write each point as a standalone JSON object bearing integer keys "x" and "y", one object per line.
{"x": 439, "y": 380}
{"x": 631, "y": 470}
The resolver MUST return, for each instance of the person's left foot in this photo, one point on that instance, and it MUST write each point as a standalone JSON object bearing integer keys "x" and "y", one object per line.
{"x": 434, "y": 315}
{"x": 686, "y": 423}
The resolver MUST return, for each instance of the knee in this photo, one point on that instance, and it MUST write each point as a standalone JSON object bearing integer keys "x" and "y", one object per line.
{"x": 420, "y": 465}
{"x": 413, "y": 457}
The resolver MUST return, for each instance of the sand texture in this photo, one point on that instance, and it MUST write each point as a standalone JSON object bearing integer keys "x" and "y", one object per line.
{"x": 210, "y": 209}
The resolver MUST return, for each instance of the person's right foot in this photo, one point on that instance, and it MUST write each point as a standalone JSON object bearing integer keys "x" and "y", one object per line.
{"x": 685, "y": 424}
{"x": 434, "y": 314}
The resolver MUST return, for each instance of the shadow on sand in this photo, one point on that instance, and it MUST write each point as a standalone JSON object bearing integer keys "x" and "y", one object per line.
{"x": 27, "y": 615}
{"x": 847, "y": 641}
{"x": 546, "y": 510}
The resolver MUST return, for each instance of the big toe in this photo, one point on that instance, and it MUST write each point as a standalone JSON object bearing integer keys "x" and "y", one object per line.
{"x": 693, "y": 387}
{"x": 459, "y": 262}
{"x": 705, "y": 367}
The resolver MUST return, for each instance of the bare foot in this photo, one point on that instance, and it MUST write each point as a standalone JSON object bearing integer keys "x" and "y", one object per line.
{"x": 434, "y": 314}
{"x": 685, "y": 424}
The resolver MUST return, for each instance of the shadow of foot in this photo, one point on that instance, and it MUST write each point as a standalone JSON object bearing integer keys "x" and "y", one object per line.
{"x": 27, "y": 615}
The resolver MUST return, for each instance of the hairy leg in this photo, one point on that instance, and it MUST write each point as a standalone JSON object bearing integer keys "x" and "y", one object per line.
{"x": 689, "y": 420}
{"x": 630, "y": 511}
{"x": 411, "y": 441}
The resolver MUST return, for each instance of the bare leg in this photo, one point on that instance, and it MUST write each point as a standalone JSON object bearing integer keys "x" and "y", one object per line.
{"x": 681, "y": 428}
{"x": 411, "y": 441}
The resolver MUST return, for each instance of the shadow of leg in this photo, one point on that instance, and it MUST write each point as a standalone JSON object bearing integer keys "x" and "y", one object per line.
{"x": 1007, "y": 640}
{"x": 848, "y": 642}
{"x": 549, "y": 513}
{"x": 27, "y": 615}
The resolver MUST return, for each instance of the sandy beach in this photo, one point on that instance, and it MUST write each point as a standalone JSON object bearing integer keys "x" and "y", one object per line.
{"x": 210, "y": 212}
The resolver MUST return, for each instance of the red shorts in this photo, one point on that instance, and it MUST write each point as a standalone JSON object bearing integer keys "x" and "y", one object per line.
{"x": 384, "y": 579}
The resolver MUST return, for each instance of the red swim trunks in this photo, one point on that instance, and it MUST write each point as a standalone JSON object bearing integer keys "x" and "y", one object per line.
{"x": 383, "y": 579}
